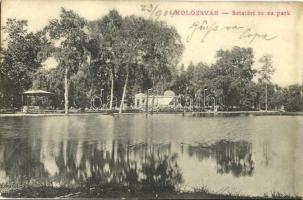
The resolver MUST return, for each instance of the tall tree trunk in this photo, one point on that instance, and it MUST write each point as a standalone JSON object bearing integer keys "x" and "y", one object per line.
{"x": 193, "y": 104}
{"x": 152, "y": 102}
{"x": 266, "y": 96}
{"x": 123, "y": 95}
{"x": 111, "y": 91}
{"x": 66, "y": 91}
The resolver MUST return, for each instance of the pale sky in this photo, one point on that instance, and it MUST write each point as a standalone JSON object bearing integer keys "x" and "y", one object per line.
{"x": 282, "y": 40}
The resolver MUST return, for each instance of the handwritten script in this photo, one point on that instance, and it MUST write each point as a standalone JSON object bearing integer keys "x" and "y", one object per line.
{"x": 204, "y": 28}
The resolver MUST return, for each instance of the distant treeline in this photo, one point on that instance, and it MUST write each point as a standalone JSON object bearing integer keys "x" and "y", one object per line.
{"x": 233, "y": 85}
{"x": 126, "y": 55}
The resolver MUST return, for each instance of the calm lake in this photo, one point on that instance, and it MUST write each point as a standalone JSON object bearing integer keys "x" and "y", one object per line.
{"x": 247, "y": 155}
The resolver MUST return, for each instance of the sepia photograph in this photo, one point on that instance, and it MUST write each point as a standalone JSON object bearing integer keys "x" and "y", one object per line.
{"x": 151, "y": 99}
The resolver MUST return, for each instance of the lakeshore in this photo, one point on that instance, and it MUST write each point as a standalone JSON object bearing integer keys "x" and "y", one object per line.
{"x": 195, "y": 114}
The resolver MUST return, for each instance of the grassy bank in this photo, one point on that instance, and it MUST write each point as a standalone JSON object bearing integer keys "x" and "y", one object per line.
{"x": 118, "y": 191}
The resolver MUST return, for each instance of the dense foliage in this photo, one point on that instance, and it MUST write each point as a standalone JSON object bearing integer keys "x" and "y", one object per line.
{"x": 19, "y": 60}
{"x": 125, "y": 55}
{"x": 232, "y": 87}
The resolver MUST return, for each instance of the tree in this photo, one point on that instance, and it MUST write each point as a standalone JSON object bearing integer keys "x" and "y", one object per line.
{"x": 293, "y": 98}
{"x": 130, "y": 46}
{"x": 162, "y": 52}
{"x": 69, "y": 34}
{"x": 49, "y": 80}
{"x": 266, "y": 72}
{"x": 276, "y": 96}
{"x": 180, "y": 81}
{"x": 233, "y": 73}
{"x": 20, "y": 58}
{"x": 106, "y": 34}
{"x": 150, "y": 44}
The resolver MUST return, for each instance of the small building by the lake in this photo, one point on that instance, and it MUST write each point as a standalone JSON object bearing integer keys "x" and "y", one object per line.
{"x": 36, "y": 101}
{"x": 155, "y": 101}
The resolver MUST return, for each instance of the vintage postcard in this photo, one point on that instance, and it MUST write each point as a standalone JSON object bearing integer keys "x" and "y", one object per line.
{"x": 151, "y": 99}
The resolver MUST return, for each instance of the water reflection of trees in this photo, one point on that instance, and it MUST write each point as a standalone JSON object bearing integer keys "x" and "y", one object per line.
{"x": 21, "y": 163}
{"x": 141, "y": 166}
{"x": 93, "y": 164}
{"x": 231, "y": 157}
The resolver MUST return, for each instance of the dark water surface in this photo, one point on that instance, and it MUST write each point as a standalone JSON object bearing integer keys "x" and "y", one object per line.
{"x": 248, "y": 155}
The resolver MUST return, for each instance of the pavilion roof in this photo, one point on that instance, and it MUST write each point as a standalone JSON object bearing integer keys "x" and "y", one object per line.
{"x": 37, "y": 92}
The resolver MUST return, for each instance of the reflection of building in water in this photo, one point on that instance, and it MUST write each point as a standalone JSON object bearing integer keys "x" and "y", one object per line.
{"x": 144, "y": 166}
{"x": 231, "y": 157}
{"x": 234, "y": 157}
